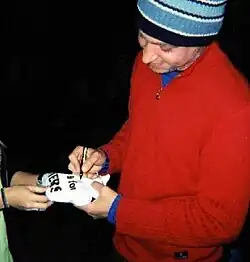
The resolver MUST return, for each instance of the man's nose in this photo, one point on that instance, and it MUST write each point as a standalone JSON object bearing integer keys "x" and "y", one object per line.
{"x": 149, "y": 54}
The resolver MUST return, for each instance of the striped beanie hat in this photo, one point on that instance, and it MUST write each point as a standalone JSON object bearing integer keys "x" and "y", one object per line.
{"x": 181, "y": 22}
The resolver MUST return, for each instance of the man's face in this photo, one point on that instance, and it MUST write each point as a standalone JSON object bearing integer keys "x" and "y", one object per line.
{"x": 162, "y": 57}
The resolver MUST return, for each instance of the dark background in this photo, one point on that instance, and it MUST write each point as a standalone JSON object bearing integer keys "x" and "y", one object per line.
{"x": 65, "y": 81}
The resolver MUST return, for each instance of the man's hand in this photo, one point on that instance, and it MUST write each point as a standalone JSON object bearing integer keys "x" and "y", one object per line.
{"x": 92, "y": 165}
{"x": 100, "y": 207}
{"x": 27, "y": 197}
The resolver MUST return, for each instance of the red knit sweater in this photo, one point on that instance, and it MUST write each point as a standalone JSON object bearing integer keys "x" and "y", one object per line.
{"x": 184, "y": 162}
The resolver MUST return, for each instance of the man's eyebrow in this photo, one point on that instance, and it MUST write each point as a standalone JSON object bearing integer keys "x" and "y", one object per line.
{"x": 167, "y": 45}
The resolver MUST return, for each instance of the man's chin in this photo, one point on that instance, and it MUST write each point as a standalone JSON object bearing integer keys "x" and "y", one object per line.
{"x": 158, "y": 70}
{"x": 162, "y": 70}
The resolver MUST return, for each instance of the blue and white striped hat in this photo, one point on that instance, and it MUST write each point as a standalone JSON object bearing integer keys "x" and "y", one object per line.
{"x": 181, "y": 22}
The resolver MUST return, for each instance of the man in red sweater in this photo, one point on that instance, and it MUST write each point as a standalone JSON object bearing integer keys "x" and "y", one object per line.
{"x": 184, "y": 152}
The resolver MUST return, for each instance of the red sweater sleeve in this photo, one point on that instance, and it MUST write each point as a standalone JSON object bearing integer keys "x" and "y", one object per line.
{"x": 216, "y": 213}
{"x": 116, "y": 148}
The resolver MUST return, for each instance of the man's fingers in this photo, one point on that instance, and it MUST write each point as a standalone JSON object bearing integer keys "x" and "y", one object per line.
{"x": 90, "y": 162}
{"x": 78, "y": 151}
{"x": 72, "y": 168}
{"x": 92, "y": 175}
{"x": 75, "y": 158}
{"x": 97, "y": 186}
{"x": 89, "y": 165}
{"x": 93, "y": 170}
{"x": 74, "y": 165}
